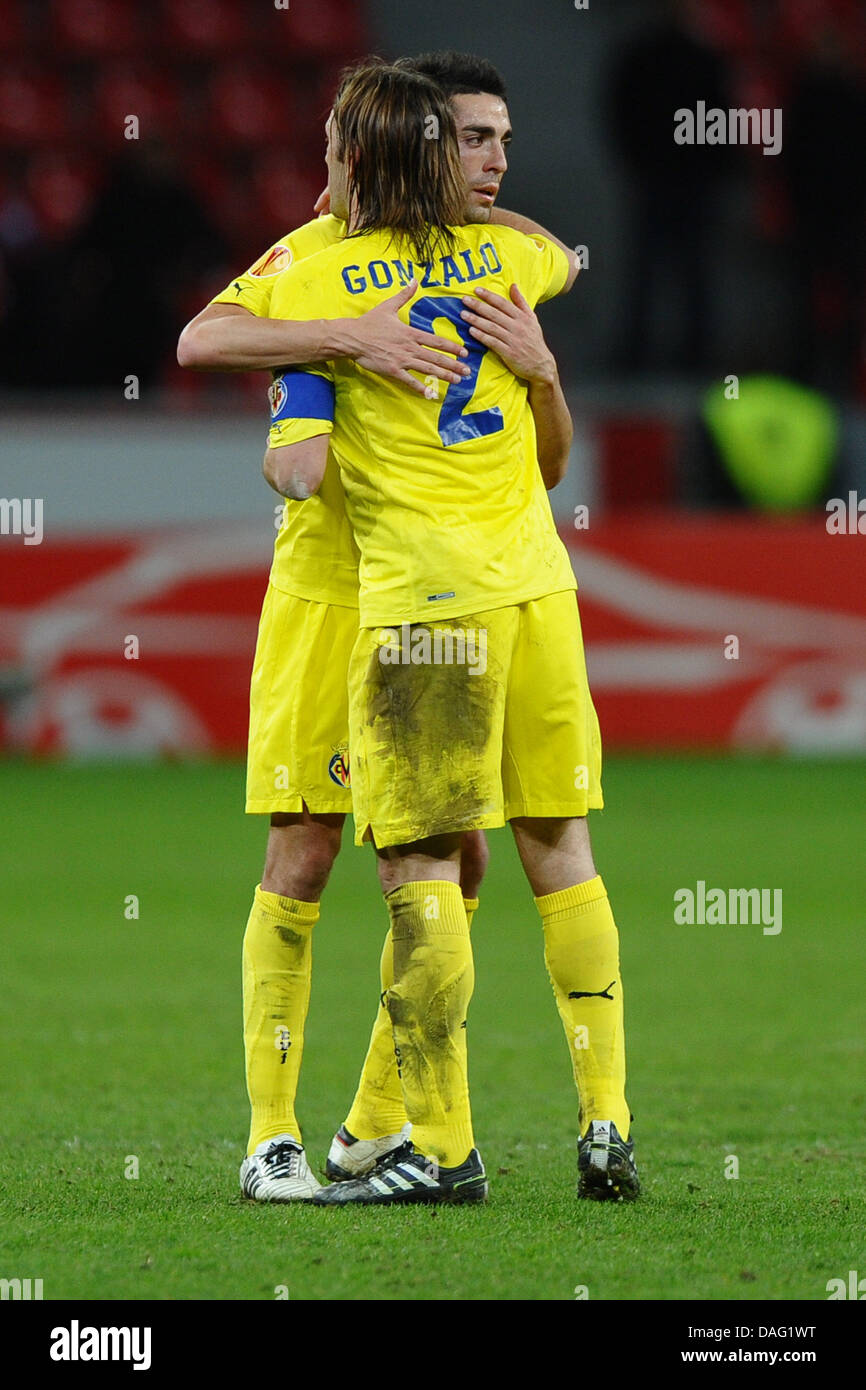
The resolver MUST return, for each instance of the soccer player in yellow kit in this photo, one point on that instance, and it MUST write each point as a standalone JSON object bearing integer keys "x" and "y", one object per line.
{"x": 298, "y": 765}
{"x": 459, "y": 555}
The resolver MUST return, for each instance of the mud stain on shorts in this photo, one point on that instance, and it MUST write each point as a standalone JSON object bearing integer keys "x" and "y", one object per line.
{"x": 431, "y": 725}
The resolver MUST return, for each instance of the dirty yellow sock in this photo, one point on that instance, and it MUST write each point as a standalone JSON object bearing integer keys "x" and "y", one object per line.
{"x": 277, "y": 971}
{"x": 378, "y": 1108}
{"x": 427, "y": 1003}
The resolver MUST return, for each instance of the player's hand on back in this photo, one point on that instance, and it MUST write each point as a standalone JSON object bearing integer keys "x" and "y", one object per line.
{"x": 381, "y": 342}
{"x": 511, "y": 330}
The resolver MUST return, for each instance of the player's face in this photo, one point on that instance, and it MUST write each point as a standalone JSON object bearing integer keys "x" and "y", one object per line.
{"x": 483, "y": 134}
{"x": 337, "y": 181}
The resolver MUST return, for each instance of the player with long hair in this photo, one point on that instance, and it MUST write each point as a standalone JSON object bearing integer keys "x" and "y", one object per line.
{"x": 457, "y": 547}
{"x": 298, "y": 763}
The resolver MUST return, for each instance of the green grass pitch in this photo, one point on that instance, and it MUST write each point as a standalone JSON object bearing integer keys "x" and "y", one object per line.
{"x": 121, "y": 1038}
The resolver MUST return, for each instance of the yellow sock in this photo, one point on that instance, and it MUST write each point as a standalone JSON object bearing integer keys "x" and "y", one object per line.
{"x": 427, "y": 1003}
{"x": 581, "y": 949}
{"x": 277, "y": 961}
{"x": 378, "y": 1107}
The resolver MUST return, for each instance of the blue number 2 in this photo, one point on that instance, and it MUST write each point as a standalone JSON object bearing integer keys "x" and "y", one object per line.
{"x": 455, "y": 427}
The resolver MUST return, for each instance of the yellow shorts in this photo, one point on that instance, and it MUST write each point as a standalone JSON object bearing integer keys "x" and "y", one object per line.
{"x": 299, "y": 717}
{"x": 467, "y": 723}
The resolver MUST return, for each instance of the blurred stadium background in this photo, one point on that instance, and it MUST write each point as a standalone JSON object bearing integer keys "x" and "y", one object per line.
{"x": 704, "y": 516}
{"x": 714, "y": 356}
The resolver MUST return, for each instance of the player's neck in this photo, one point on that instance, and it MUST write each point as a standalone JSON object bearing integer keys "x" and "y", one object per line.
{"x": 352, "y": 216}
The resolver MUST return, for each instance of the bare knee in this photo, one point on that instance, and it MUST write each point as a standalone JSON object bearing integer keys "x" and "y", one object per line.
{"x": 474, "y": 858}
{"x": 555, "y": 852}
{"x": 300, "y": 854}
{"x": 437, "y": 857}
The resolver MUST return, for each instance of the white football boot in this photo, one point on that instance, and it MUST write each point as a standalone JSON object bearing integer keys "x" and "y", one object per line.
{"x": 349, "y": 1157}
{"x": 278, "y": 1171}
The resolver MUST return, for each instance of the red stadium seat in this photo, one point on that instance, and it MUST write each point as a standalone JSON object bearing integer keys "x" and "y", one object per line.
{"x": 725, "y": 24}
{"x": 222, "y": 182}
{"x": 226, "y": 191}
{"x": 204, "y": 27}
{"x": 96, "y": 28}
{"x": 285, "y": 190}
{"x": 250, "y": 105}
{"x": 61, "y": 187}
{"x": 31, "y": 107}
{"x": 13, "y": 29}
{"x": 208, "y": 176}
{"x": 324, "y": 28}
{"x": 325, "y": 84}
{"x": 802, "y": 21}
{"x": 127, "y": 90}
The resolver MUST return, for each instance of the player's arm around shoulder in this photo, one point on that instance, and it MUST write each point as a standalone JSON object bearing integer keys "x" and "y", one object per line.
{"x": 233, "y": 332}
{"x": 230, "y": 338}
{"x": 510, "y": 328}
{"x": 502, "y": 217}
{"x": 554, "y": 430}
{"x": 254, "y": 325}
{"x": 249, "y": 336}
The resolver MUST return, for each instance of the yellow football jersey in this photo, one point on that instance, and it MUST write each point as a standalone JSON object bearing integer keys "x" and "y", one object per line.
{"x": 253, "y": 289}
{"x": 315, "y": 556}
{"x": 444, "y": 493}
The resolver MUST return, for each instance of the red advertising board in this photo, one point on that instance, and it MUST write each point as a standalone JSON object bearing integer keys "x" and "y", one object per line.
{"x": 702, "y": 632}
{"x": 725, "y": 632}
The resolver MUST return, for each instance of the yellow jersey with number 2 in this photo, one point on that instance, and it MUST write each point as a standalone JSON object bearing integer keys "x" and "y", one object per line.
{"x": 443, "y": 492}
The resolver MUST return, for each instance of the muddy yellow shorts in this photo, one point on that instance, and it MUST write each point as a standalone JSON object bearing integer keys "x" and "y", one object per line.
{"x": 467, "y": 723}
{"x": 299, "y": 719}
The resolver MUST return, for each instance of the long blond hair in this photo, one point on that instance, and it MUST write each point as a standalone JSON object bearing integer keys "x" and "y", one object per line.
{"x": 395, "y": 130}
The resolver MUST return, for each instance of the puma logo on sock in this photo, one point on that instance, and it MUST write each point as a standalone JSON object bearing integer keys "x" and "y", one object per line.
{"x": 592, "y": 994}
